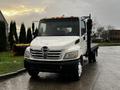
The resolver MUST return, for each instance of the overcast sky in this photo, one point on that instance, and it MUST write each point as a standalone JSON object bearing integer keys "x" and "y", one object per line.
{"x": 105, "y": 12}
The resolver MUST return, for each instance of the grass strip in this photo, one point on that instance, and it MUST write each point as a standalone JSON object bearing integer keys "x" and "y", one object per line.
{"x": 10, "y": 63}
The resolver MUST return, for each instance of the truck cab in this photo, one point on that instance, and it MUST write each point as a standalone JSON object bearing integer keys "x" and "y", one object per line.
{"x": 59, "y": 47}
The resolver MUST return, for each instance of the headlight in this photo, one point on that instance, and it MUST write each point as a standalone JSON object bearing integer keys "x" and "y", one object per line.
{"x": 27, "y": 53}
{"x": 71, "y": 55}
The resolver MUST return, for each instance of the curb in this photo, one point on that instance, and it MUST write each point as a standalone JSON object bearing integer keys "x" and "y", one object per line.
{"x": 8, "y": 75}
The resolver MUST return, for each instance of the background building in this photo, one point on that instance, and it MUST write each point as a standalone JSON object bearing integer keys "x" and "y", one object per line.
{"x": 114, "y": 35}
{"x": 2, "y": 18}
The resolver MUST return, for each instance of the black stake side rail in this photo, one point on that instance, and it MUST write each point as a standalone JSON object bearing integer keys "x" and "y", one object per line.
{"x": 89, "y": 29}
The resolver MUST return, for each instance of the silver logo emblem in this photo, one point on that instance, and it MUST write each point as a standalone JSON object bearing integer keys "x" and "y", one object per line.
{"x": 45, "y": 52}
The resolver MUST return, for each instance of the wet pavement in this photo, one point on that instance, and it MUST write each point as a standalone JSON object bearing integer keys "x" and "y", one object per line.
{"x": 103, "y": 75}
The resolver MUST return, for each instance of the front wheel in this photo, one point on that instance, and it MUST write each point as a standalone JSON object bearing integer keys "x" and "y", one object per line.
{"x": 77, "y": 71}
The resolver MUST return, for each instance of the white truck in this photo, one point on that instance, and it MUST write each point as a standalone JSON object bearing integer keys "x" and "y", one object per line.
{"x": 60, "y": 47}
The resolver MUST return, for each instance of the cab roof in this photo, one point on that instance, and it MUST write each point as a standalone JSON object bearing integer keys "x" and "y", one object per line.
{"x": 60, "y": 19}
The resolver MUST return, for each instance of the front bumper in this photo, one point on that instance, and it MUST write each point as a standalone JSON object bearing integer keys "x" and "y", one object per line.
{"x": 49, "y": 66}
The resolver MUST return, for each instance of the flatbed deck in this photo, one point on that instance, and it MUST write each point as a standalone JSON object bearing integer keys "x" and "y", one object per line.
{"x": 94, "y": 46}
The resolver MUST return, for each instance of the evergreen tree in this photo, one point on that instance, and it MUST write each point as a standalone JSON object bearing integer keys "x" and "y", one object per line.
{"x": 29, "y": 35}
{"x": 22, "y": 37}
{"x": 15, "y": 32}
{"x": 36, "y": 33}
{"x": 10, "y": 37}
{"x": 3, "y": 39}
{"x": 33, "y": 29}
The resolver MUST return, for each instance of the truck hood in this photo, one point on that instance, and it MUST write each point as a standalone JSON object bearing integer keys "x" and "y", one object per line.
{"x": 54, "y": 42}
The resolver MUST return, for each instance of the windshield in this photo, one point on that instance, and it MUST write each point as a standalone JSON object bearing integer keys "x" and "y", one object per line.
{"x": 59, "y": 27}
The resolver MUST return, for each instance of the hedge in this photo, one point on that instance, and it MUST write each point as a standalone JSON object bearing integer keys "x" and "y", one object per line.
{"x": 18, "y": 49}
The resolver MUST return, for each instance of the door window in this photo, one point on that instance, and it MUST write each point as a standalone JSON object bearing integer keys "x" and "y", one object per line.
{"x": 83, "y": 28}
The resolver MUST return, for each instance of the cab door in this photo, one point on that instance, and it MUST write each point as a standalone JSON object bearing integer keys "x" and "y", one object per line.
{"x": 83, "y": 35}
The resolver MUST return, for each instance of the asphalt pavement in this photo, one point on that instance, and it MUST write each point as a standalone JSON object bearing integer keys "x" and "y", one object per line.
{"x": 102, "y": 75}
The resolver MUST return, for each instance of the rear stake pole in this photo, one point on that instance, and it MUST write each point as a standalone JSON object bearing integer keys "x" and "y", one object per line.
{"x": 89, "y": 28}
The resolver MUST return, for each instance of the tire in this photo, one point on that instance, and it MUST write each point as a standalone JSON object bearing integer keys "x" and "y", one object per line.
{"x": 72, "y": 72}
{"x": 82, "y": 61}
{"x": 76, "y": 73}
{"x": 33, "y": 73}
{"x": 94, "y": 57}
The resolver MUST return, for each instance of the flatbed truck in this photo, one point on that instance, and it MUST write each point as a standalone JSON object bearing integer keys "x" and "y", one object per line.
{"x": 61, "y": 46}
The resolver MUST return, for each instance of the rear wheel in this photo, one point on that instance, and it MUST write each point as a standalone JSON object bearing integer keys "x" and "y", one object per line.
{"x": 33, "y": 73}
{"x": 94, "y": 57}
